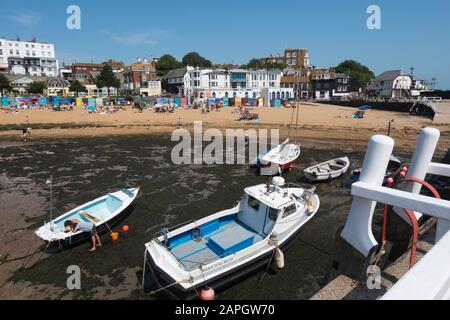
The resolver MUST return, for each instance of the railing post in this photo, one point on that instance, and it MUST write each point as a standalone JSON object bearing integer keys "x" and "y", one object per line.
{"x": 358, "y": 229}
{"x": 355, "y": 245}
{"x": 420, "y": 163}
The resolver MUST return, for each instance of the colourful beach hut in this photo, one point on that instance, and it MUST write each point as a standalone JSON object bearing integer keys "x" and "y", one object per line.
{"x": 5, "y": 101}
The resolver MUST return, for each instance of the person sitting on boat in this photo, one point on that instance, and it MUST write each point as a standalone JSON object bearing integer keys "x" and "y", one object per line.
{"x": 75, "y": 225}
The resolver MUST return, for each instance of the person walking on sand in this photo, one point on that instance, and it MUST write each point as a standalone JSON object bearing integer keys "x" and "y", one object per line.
{"x": 75, "y": 225}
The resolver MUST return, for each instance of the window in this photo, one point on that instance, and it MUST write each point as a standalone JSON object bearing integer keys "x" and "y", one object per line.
{"x": 1, "y": 52}
{"x": 339, "y": 88}
{"x": 273, "y": 214}
{"x": 288, "y": 55}
{"x": 27, "y": 45}
{"x": 294, "y": 54}
{"x": 17, "y": 52}
{"x": 289, "y": 210}
{"x": 253, "y": 203}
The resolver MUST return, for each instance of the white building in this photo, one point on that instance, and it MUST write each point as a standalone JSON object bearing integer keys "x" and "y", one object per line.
{"x": 202, "y": 84}
{"x": 150, "y": 89}
{"x": 395, "y": 84}
{"x": 28, "y": 58}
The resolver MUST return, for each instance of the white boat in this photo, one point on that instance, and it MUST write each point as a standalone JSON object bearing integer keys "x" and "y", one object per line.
{"x": 226, "y": 246}
{"x": 331, "y": 169}
{"x": 284, "y": 155}
{"x": 104, "y": 212}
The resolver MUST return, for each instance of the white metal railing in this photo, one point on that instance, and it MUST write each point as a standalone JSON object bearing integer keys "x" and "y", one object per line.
{"x": 369, "y": 191}
{"x": 429, "y": 279}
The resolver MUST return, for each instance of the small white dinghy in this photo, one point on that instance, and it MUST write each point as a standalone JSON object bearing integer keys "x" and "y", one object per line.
{"x": 104, "y": 212}
{"x": 284, "y": 155}
{"x": 226, "y": 246}
{"x": 331, "y": 169}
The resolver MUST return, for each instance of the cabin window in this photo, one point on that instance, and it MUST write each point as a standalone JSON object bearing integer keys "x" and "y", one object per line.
{"x": 273, "y": 214}
{"x": 289, "y": 210}
{"x": 253, "y": 203}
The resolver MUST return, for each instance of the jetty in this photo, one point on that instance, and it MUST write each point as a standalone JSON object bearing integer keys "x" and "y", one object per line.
{"x": 406, "y": 261}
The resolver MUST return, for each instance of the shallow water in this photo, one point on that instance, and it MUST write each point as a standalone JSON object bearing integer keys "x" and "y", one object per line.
{"x": 86, "y": 168}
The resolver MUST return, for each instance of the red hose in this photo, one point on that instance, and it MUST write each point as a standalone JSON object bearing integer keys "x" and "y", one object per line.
{"x": 412, "y": 217}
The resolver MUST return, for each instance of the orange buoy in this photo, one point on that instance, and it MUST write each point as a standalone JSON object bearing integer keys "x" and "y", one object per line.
{"x": 403, "y": 174}
{"x": 115, "y": 236}
{"x": 405, "y": 168}
{"x": 390, "y": 181}
{"x": 125, "y": 228}
{"x": 207, "y": 294}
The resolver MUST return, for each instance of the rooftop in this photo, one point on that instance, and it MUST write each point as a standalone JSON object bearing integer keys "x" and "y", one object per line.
{"x": 277, "y": 198}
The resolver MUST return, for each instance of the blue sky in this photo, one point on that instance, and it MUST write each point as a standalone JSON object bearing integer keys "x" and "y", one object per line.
{"x": 414, "y": 33}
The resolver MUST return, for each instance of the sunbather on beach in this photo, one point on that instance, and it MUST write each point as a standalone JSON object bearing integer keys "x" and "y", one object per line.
{"x": 75, "y": 225}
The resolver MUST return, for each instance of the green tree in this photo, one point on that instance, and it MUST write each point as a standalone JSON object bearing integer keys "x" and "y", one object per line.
{"x": 258, "y": 64}
{"x": 359, "y": 74}
{"x": 107, "y": 78}
{"x": 77, "y": 87}
{"x": 196, "y": 60}
{"x": 5, "y": 85}
{"x": 167, "y": 63}
{"x": 37, "y": 87}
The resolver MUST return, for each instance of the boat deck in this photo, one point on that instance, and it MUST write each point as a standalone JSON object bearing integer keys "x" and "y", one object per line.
{"x": 226, "y": 240}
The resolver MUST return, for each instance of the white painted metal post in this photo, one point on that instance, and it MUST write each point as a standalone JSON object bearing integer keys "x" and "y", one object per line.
{"x": 358, "y": 228}
{"x": 420, "y": 164}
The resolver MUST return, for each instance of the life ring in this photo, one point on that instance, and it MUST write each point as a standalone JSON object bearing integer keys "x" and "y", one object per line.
{"x": 197, "y": 234}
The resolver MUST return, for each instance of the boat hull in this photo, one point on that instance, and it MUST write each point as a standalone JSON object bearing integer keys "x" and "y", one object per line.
{"x": 83, "y": 237}
{"x": 220, "y": 282}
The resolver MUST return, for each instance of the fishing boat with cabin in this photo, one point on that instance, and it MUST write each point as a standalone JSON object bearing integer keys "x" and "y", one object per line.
{"x": 221, "y": 248}
{"x": 104, "y": 212}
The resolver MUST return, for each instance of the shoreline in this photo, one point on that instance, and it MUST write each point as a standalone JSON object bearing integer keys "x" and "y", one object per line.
{"x": 318, "y": 137}
{"x": 319, "y": 125}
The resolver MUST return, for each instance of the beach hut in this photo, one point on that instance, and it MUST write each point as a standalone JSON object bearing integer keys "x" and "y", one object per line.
{"x": 78, "y": 102}
{"x": 99, "y": 102}
{"x": 91, "y": 102}
{"x": 177, "y": 102}
{"x": 277, "y": 103}
{"x": 5, "y": 101}
{"x": 226, "y": 102}
{"x": 56, "y": 101}
{"x": 237, "y": 101}
{"x": 184, "y": 102}
{"x": 43, "y": 101}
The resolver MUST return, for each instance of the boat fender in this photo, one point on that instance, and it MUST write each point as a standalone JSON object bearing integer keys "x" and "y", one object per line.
{"x": 279, "y": 258}
{"x": 207, "y": 294}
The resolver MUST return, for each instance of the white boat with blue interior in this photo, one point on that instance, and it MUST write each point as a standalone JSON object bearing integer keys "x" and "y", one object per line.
{"x": 104, "y": 212}
{"x": 227, "y": 245}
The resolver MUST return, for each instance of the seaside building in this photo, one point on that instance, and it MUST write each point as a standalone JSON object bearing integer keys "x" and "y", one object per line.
{"x": 293, "y": 57}
{"x": 175, "y": 81}
{"x": 150, "y": 88}
{"x": 341, "y": 88}
{"x": 138, "y": 74}
{"x": 395, "y": 84}
{"x": 86, "y": 72}
{"x": 296, "y": 58}
{"x": 57, "y": 87}
{"x": 301, "y": 86}
{"x": 323, "y": 83}
{"x": 28, "y": 57}
{"x": 21, "y": 84}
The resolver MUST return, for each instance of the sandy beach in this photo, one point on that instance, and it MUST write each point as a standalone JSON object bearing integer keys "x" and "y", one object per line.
{"x": 318, "y": 123}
